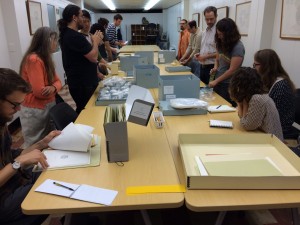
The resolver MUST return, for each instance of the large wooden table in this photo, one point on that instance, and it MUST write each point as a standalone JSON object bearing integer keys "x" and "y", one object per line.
{"x": 136, "y": 48}
{"x": 149, "y": 147}
{"x": 150, "y": 163}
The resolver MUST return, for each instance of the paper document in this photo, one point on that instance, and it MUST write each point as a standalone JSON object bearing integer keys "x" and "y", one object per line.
{"x": 73, "y": 138}
{"x": 220, "y": 109}
{"x": 81, "y": 192}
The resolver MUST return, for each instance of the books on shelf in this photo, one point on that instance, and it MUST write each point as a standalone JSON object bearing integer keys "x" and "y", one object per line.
{"x": 81, "y": 192}
{"x": 220, "y": 123}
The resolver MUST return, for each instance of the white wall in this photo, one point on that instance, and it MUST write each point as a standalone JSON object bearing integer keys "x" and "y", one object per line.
{"x": 288, "y": 50}
{"x": 132, "y": 18}
{"x": 4, "y": 60}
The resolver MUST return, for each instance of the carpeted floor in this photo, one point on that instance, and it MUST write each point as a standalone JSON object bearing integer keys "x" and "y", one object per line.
{"x": 180, "y": 216}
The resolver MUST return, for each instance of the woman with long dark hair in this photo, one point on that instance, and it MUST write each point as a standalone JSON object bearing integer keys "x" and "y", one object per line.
{"x": 279, "y": 86}
{"x": 37, "y": 68}
{"x": 230, "y": 56}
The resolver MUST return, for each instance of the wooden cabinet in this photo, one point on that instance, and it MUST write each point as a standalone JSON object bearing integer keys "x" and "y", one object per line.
{"x": 144, "y": 34}
{"x": 138, "y": 34}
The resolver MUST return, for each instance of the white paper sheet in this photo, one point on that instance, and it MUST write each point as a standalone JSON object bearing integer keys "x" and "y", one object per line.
{"x": 49, "y": 187}
{"x": 73, "y": 138}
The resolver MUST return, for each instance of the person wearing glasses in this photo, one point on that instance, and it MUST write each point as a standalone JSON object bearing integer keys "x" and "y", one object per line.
{"x": 255, "y": 108}
{"x": 230, "y": 56}
{"x": 16, "y": 177}
{"x": 184, "y": 37}
{"x": 37, "y": 68}
{"x": 279, "y": 86}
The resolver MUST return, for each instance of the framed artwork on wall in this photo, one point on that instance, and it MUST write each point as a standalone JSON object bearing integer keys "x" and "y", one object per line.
{"x": 242, "y": 16}
{"x": 222, "y": 12}
{"x": 178, "y": 23}
{"x": 34, "y": 14}
{"x": 196, "y": 17}
{"x": 290, "y": 20}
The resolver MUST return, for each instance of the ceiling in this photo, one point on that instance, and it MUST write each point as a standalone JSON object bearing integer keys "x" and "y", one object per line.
{"x": 123, "y": 5}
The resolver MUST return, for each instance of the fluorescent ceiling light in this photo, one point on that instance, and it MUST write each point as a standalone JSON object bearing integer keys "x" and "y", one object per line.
{"x": 150, "y": 4}
{"x": 109, "y": 4}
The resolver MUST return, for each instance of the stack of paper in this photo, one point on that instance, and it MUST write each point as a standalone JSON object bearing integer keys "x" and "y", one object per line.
{"x": 71, "y": 148}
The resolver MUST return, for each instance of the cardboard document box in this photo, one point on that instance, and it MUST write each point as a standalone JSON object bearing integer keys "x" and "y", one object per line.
{"x": 146, "y": 75}
{"x": 238, "y": 161}
{"x": 127, "y": 63}
{"x": 178, "y": 86}
{"x": 166, "y": 56}
{"x": 149, "y": 55}
{"x": 137, "y": 109}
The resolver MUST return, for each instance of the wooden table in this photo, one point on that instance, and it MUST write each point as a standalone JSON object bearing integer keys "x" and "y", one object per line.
{"x": 150, "y": 163}
{"x": 136, "y": 48}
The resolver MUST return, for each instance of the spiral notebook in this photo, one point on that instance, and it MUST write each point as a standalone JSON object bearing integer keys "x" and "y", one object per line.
{"x": 221, "y": 123}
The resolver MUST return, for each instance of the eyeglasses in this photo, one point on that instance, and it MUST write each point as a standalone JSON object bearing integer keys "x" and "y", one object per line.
{"x": 15, "y": 104}
{"x": 182, "y": 23}
{"x": 255, "y": 64}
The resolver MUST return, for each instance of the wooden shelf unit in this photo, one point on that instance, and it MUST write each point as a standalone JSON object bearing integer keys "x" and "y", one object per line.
{"x": 138, "y": 34}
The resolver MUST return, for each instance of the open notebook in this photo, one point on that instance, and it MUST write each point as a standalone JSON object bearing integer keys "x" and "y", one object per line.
{"x": 81, "y": 192}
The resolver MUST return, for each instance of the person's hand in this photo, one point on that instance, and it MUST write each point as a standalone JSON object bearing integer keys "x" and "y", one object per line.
{"x": 33, "y": 157}
{"x": 212, "y": 84}
{"x": 213, "y": 71}
{"x": 184, "y": 62}
{"x": 48, "y": 90}
{"x": 97, "y": 37}
{"x": 114, "y": 50}
{"x": 201, "y": 58}
{"x": 45, "y": 141}
{"x": 101, "y": 76}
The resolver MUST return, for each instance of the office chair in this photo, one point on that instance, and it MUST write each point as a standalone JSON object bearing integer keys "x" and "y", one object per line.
{"x": 62, "y": 114}
{"x": 294, "y": 134}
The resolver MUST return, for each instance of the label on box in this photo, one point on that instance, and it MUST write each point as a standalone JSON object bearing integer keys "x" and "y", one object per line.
{"x": 160, "y": 56}
{"x": 168, "y": 90}
{"x": 162, "y": 60}
{"x": 168, "y": 97}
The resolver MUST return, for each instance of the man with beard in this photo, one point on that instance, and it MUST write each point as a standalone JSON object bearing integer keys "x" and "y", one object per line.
{"x": 79, "y": 56}
{"x": 207, "y": 54}
{"x": 184, "y": 38}
{"x": 16, "y": 177}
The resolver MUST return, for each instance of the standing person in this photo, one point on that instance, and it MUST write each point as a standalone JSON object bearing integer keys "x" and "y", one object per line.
{"x": 79, "y": 56}
{"x": 230, "y": 56}
{"x": 86, "y": 28}
{"x": 279, "y": 86}
{"x": 184, "y": 38}
{"x": 112, "y": 35}
{"x": 37, "y": 68}
{"x": 105, "y": 50}
{"x": 207, "y": 54}
{"x": 15, "y": 180}
{"x": 193, "y": 48}
{"x": 255, "y": 108}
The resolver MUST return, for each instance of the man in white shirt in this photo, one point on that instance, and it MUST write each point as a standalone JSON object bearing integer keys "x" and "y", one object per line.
{"x": 207, "y": 54}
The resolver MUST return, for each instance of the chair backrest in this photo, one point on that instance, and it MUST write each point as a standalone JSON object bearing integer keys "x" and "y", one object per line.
{"x": 297, "y": 103}
{"x": 62, "y": 114}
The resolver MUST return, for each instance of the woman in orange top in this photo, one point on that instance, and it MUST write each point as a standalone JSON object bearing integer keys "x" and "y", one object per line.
{"x": 37, "y": 68}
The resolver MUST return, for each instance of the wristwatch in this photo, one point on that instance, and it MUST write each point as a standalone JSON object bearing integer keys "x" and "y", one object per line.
{"x": 16, "y": 165}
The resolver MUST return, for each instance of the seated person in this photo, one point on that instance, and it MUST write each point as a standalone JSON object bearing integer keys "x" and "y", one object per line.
{"x": 16, "y": 177}
{"x": 255, "y": 108}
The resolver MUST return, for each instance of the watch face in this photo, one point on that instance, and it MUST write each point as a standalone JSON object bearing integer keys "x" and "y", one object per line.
{"x": 16, "y": 165}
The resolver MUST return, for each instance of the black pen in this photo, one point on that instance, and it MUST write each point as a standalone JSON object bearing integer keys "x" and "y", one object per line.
{"x": 219, "y": 106}
{"x": 63, "y": 186}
